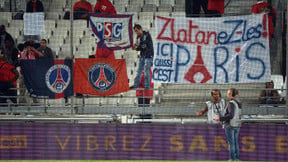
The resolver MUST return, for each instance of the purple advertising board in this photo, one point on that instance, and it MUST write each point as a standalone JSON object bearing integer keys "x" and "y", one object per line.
{"x": 146, "y": 141}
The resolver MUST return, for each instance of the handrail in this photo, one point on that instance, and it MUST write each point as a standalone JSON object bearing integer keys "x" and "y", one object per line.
{"x": 205, "y": 120}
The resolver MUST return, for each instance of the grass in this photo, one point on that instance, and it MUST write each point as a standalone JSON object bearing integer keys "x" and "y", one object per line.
{"x": 100, "y": 161}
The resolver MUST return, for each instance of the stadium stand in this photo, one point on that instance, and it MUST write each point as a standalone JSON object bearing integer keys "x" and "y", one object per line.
{"x": 58, "y": 34}
{"x": 115, "y": 127}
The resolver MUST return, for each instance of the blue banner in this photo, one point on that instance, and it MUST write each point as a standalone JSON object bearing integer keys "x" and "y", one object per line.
{"x": 48, "y": 78}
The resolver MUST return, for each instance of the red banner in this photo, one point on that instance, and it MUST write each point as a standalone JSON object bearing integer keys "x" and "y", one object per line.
{"x": 101, "y": 77}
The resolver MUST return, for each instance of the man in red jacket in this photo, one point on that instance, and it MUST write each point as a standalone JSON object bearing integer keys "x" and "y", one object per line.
{"x": 81, "y": 9}
{"x": 264, "y": 7}
{"x": 8, "y": 76}
{"x": 104, "y": 7}
{"x": 216, "y": 7}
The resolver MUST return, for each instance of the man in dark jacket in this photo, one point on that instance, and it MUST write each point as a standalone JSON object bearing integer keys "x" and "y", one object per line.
{"x": 5, "y": 36}
{"x": 34, "y": 6}
{"x": 145, "y": 46}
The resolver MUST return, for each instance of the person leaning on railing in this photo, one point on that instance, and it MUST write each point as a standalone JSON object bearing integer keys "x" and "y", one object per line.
{"x": 269, "y": 95}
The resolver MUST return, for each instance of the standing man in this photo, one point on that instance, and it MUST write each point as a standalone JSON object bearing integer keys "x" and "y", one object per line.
{"x": 46, "y": 51}
{"x": 5, "y": 36}
{"x": 193, "y": 7}
{"x": 104, "y": 7}
{"x": 211, "y": 8}
{"x": 145, "y": 46}
{"x": 264, "y": 7}
{"x": 34, "y": 6}
{"x": 214, "y": 108}
{"x": 232, "y": 121}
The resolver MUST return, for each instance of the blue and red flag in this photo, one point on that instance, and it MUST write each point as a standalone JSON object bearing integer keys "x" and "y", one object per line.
{"x": 112, "y": 31}
{"x": 101, "y": 77}
{"x": 48, "y": 78}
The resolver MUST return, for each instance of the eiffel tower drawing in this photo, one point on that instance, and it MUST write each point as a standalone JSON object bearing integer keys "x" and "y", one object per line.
{"x": 198, "y": 67}
{"x": 102, "y": 80}
{"x": 59, "y": 83}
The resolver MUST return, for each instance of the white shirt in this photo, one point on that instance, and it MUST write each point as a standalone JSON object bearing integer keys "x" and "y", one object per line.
{"x": 214, "y": 109}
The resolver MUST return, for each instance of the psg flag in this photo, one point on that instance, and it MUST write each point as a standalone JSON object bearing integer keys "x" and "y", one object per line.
{"x": 101, "y": 77}
{"x": 48, "y": 78}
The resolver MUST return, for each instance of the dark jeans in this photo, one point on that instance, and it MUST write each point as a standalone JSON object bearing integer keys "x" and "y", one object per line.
{"x": 193, "y": 9}
{"x": 232, "y": 135}
{"x": 5, "y": 91}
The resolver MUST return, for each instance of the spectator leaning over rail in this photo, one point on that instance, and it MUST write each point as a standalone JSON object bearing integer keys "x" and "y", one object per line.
{"x": 214, "y": 107}
{"x": 232, "y": 123}
{"x": 145, "y": 46}
{"x": 269, "y": 95}
{"x": 8, "y": 76}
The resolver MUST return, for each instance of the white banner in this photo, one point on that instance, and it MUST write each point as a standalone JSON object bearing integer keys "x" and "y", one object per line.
{"x": 211, "y": 50}
{"x": 34, "y": 23}
{"x": 112, "y": 31}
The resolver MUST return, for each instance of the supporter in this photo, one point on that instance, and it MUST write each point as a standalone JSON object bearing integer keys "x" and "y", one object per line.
{"x": 4, "y": 35}
{"x": 193, "y": 7}
{"x": 232, "y": 123}
{"x": 104, "y": 7}
{"x": 145, "y": 46}
{"x": 214, "y": 107}
{"x": 264, "y": 7}
{"x": 269, "y": 95}
{"x": 11, "y": 52}
{"x": 45, "y": 50}
{"x": 8, "y": 77}
{"x": 29, "y": 52}
{"x": 34, "y": 6}
{"x": 211, "y": 8}
{"x": 215, "y": 8}
{"x": 81, "y": 9}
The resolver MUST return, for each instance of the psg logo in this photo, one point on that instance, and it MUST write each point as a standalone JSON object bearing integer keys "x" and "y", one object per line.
{"x": 58, "y": 78}
{"x": 102, "y": 77}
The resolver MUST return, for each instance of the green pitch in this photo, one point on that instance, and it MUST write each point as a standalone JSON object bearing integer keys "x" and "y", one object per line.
{"x": 98, "y": 161}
